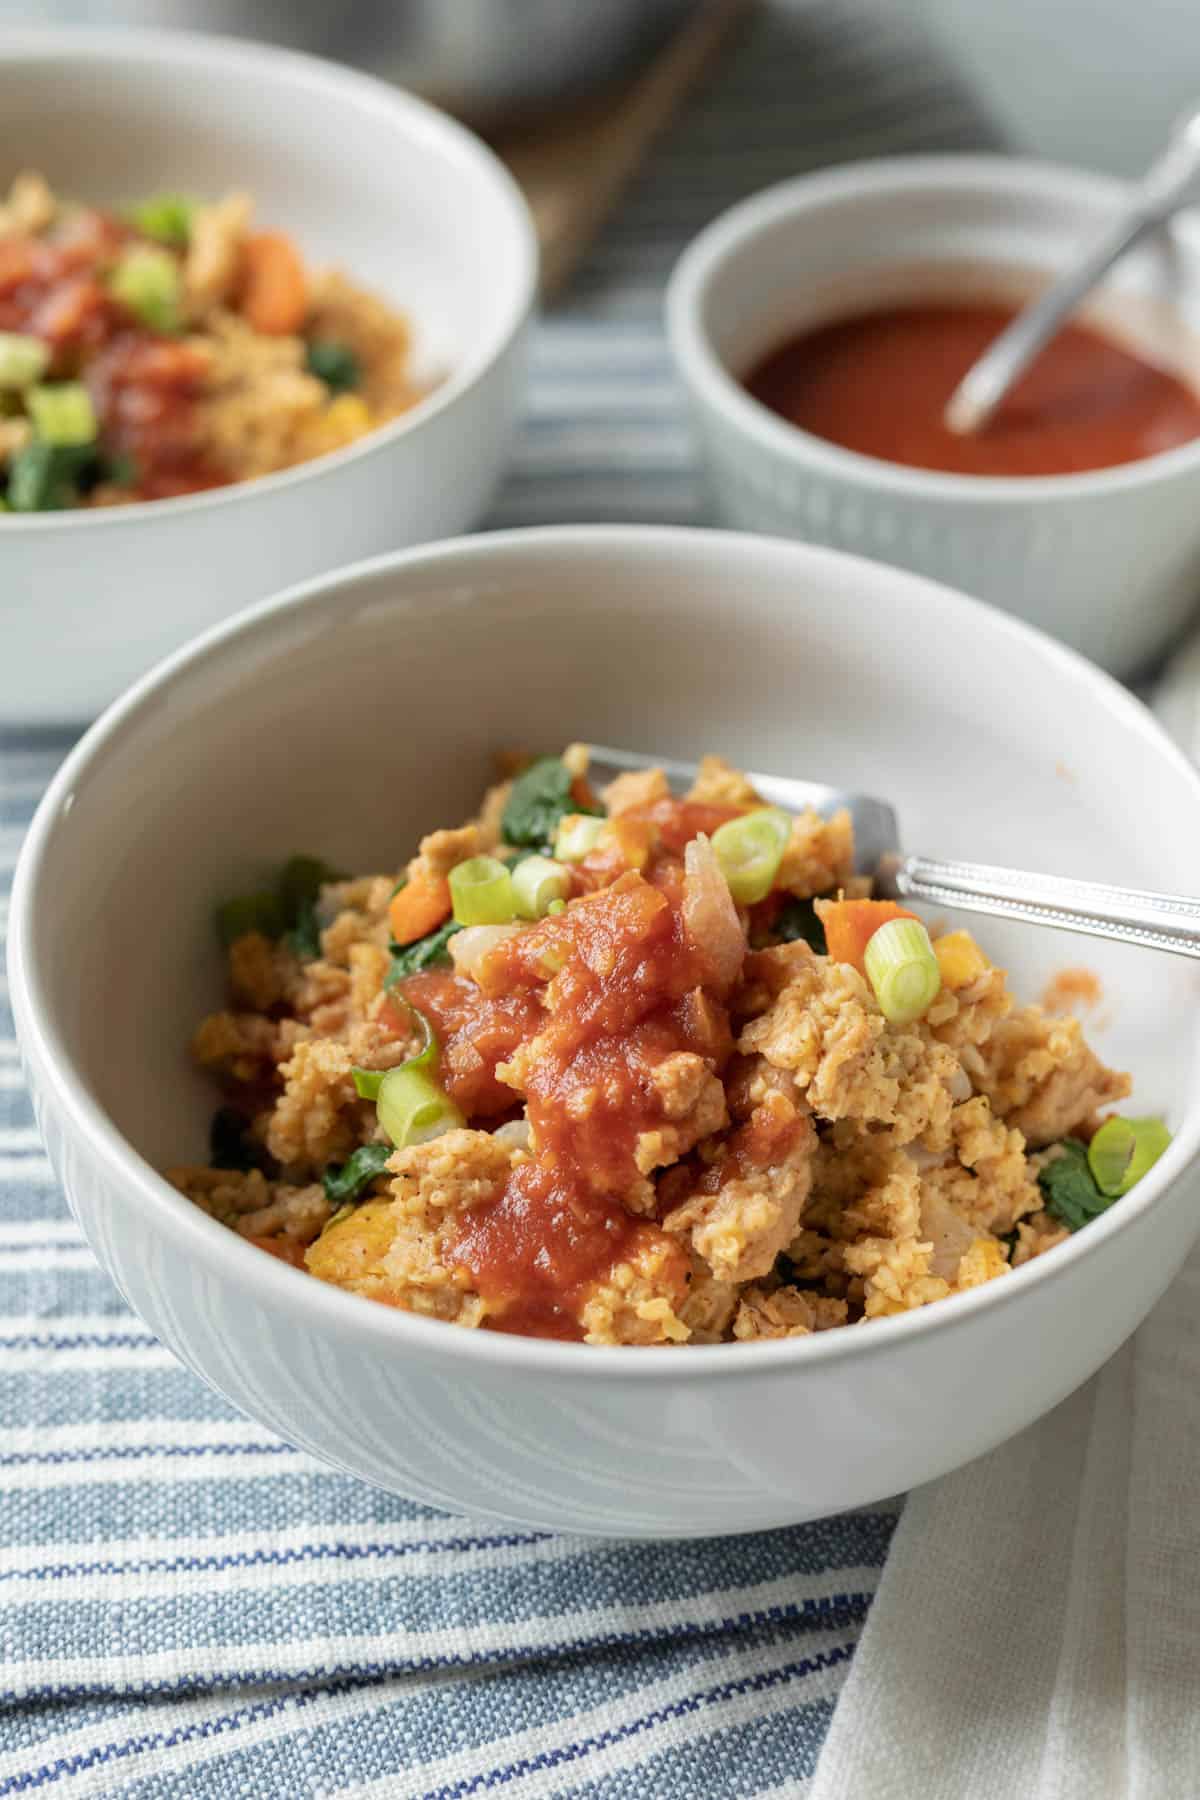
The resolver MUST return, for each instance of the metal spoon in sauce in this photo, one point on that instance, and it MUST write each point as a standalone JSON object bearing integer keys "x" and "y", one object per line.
{"x": 1163, "y": 190}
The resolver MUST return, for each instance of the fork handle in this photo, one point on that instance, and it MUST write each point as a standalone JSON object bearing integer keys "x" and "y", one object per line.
{"x": 1153, "y": 921}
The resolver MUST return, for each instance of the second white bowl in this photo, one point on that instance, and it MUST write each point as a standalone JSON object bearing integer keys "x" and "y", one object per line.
{"x": 363, "y": 176}
{"x": 1109, "y": 562}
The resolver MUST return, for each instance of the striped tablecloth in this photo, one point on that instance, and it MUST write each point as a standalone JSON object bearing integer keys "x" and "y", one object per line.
{"x": 190, "y": 1607}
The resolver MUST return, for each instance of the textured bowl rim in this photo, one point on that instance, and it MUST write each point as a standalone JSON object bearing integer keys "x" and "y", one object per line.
{"x": 732, "y": 237}
{"x": 97, "y": 45}
{"x": 390, "y": 1330}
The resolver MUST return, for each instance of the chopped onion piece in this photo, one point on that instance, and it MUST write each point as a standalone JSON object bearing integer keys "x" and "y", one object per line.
{"x": 577, "y": 836}
{"x": 469, "y": 948}
{"x": 709, "y": 915}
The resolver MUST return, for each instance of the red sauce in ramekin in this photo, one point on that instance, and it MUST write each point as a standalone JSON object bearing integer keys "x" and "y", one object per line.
{"x": 878, "y": 383}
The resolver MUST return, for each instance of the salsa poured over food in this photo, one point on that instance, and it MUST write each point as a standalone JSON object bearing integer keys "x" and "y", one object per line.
{"x": 636, "y": 1068}
{"x": 878, "y": 383}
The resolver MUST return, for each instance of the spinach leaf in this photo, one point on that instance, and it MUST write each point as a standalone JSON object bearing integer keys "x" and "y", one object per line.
{"x": 1069, "y": 1188}
{"x": 121, "y": 470}
{"x": 304, "y": 939}
{"x": 289, "y": 912}
{"x": 302, "y": 879}
{"x": 230, "y": 1144}
{"x": 798, "y": 919}
{"x": 249, "y": 912}
{"x": 429, "y": 952}
{"x": 334, "y": 363}
{"x": 540, "y": 797}
{"x": 347, "y": 1182}
{"x": 48, "y": 477}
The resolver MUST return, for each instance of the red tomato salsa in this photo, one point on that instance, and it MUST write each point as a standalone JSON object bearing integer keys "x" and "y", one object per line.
{"x": 612, "y": 1065}
{"x": 878, "y": 383}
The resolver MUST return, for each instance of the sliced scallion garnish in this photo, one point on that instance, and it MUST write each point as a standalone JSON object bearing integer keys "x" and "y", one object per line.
{"x": 165, "y": 217}
{"x": 62, "y": 414}
{"x": 537, "y": 882}
{"x": 750, "y": 850}
{"x": 23, "y": 359}
{"x": 412, "y": 1107}
{"x": 481, "y": 892}
{"x": 903, "y": 970}
{"x": 1122, "y": 1150}
{"x": 149, "y": 282}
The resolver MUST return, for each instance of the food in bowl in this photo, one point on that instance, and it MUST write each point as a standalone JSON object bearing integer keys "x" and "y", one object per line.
{"x": 878, "y": 382}
{"x": 172, "y": 348}
{"x": 641, "y": 1069}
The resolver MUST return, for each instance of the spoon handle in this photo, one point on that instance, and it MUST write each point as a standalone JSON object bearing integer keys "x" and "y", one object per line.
{"x": 981, "y": 390}
{"x": 1152, "y": 921}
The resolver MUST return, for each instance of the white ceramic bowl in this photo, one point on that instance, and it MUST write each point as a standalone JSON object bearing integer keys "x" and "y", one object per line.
{"x": 252, "y": 744}
{"x": 1110, "y": 561}
{"x": 365, "y": 177}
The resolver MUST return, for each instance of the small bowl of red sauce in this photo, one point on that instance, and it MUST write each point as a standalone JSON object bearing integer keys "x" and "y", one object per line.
{"x": 821, "y": 327}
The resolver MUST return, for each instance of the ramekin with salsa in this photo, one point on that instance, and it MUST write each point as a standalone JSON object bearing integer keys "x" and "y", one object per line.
{"x": 172, "y": 347}
{"x": 820, "y": 327}
{"x": 640, "y": 1069}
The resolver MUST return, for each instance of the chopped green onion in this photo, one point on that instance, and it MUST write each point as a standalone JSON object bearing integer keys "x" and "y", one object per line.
{"x": 165, "y": 217}
{"x": 413, "y": 1108}
{"x": 62, "y": 414}
{"x": 750, "y": 850}
{"x": 576, "y": 836}
{"x": 1122, "y": 1150}
{"x": 23, "y": 359}
{"x": 148, "y": 281}
{"x": 903, "y": 970}
{"x": 537, "y": 882}
{"x": 333, "y": 363}
{"x": 555, "y": 907}
{"x": 367, "y": 1082}
{"x": 481, "y": 892}
{"x": 249, "y": 912}
{"x": 427, "y": 1055}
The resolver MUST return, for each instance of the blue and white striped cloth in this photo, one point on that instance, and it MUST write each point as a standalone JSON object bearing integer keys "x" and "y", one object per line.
{"x": 188, "y": 1606}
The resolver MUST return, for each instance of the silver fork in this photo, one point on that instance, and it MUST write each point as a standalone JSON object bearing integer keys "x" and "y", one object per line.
{"x": 1128, "y": 915}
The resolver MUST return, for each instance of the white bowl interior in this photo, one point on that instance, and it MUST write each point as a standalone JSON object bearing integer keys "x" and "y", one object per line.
{"x": 971, "y": 231}
{"x": 364, "y": 180}
{"x": 346, "y": 724}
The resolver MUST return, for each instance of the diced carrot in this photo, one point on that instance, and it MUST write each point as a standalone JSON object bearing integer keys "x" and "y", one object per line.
{"x": 851, "y": 924}
{"x": 274, "y": 296}
{"x": 419, "y": 908}
{"x": 583, "y": 794}
{"x": 287, "y": 1249}
{"x": 17, "y": 262}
